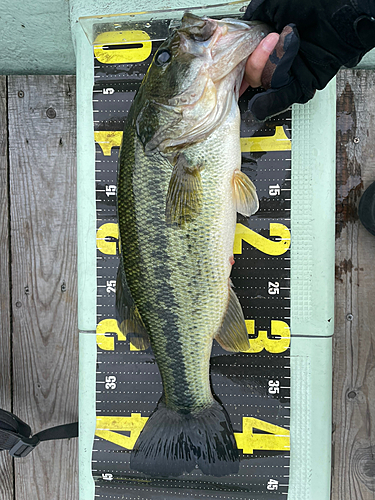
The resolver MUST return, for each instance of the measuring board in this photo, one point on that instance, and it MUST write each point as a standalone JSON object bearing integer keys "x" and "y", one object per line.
{"x": 253, "y": 386}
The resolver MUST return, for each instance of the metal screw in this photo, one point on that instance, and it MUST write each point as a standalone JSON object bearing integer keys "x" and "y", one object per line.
{"x": 51, "y": 113}
{"x": 349, "y": 317}
{"x": 352, "y": 394}
{"x": 356, "y": 140}
{"x": 63, "y": 287}
{"x": 27, "y": 291}
{"x": 18, "y": 304}
{"x": 21, "y": 93}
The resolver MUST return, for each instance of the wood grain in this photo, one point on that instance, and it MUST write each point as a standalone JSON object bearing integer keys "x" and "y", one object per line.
{"x": 6, "y": 463}
{"x": 42, "y": 148}
{"x": 353, "y": 474}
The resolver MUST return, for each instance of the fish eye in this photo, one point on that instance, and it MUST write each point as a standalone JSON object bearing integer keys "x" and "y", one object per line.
{"x": 163, "y": 57}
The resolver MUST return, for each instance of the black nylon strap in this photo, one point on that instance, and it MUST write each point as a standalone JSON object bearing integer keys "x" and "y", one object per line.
{"x": 15, "y": 435}
{"x": 60, "y": 432}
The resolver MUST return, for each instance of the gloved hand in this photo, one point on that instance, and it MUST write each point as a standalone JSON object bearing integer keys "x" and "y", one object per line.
{"x": 318, "y": 37}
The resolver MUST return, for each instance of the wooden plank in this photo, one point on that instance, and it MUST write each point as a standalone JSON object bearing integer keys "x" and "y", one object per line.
{"x": 42, "y": 148}
{"x": 6, "y": 463}
{"x": 354, "y": 342}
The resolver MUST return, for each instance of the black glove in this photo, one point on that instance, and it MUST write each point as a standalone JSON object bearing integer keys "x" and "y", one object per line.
{"x": 318, "y": 37}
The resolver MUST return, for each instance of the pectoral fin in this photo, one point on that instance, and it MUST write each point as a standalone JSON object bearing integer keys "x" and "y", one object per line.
{"x": 232, "y": 335}
{"x": 127, "y": 315}
{"x": 245, "y": 194}
{"x": 185, "y": 194}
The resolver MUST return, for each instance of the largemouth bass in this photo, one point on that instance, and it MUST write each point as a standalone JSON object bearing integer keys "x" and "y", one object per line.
{"x": 179, "y": 187}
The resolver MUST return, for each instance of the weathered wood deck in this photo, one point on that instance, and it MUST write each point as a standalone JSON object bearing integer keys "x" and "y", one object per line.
{"x": 38, "y": 329}
{"x": 353, "y": 466}
{"x": 38, "y": 296}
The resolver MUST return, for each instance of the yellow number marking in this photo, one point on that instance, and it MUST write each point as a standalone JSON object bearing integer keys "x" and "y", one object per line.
{"x": 107, "y": 139}
{"x": 262, "y": 341}
{"x": 278, "y": 328}
{"x": 277, "y": 142}
{"x": 109, "y": 230}
{"x": 263, "y": 244}
{"x": 106, "y": 425}
{"x": 277, "y": 439}
{"x": 125, "y": 55}
{"x": 107, "y": 343}
{"x": 108, "y": 326}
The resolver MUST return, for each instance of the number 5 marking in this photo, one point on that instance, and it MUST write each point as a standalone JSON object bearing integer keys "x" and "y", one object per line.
{"x": 263, "y": 244}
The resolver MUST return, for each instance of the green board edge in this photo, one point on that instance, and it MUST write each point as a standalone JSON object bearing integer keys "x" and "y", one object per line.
{"x": 313, "y": 214}
{"x": 312, "y": 294}
{"x": 86, "y": 222}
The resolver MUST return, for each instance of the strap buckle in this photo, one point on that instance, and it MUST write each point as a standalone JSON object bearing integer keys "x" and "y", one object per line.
{"x": 23, "y": 447}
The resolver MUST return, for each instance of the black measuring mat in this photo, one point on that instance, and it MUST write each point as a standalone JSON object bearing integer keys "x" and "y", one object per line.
{"x": 253, "y": 386}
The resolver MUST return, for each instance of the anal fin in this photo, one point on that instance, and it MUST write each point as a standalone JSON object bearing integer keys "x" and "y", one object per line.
{"x": 127, "y": 315}
{"x": 232, "y": 335}
{"x": 247, "y": 202}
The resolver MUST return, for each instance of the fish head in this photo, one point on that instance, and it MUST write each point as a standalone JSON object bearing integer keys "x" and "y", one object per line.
{"x": 193, "y": 79}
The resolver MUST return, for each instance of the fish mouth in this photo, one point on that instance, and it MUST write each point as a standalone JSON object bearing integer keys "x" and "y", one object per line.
{"x": 223, "y": 43}
{"x": 219, "y": 49}
{"x": 222, "y": 46}
{"x": 232, "y": 44}
{"x": 198, "y": 28}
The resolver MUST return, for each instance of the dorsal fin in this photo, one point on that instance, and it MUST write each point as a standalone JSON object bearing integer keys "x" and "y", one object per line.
{"x": 129, "y": 321}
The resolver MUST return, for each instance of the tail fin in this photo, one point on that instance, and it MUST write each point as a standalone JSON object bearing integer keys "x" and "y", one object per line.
{"x": 172, "y": 443}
